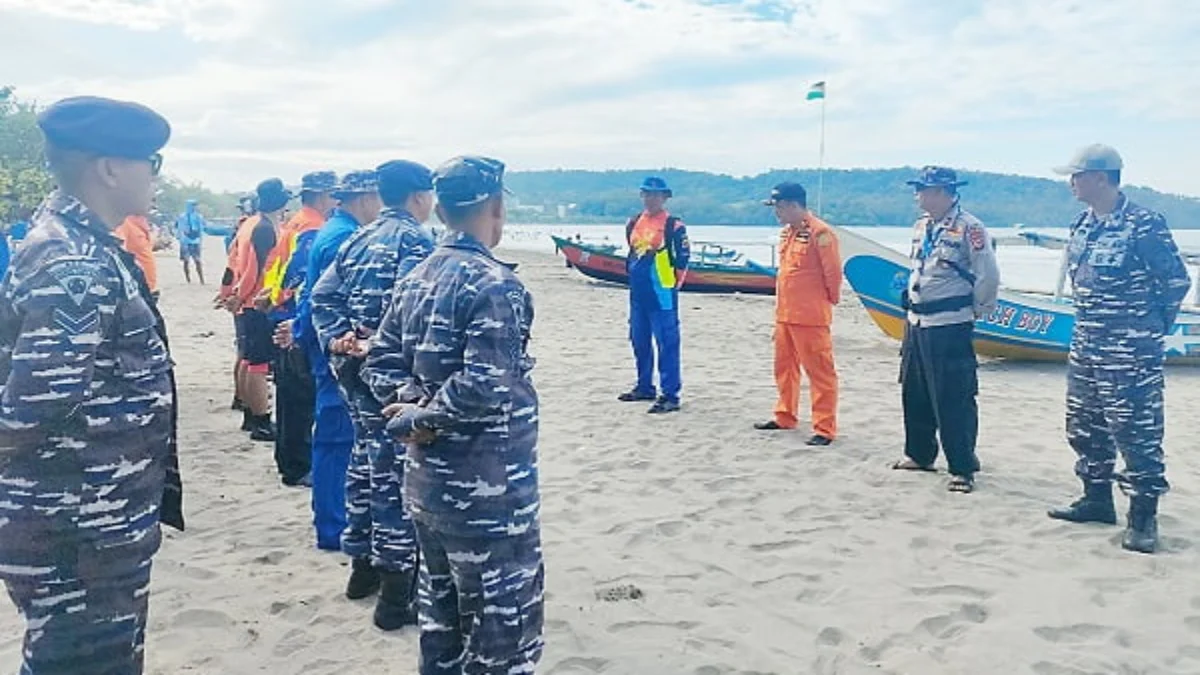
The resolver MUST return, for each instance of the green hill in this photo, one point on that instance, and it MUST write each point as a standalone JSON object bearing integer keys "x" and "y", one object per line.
{"x": 851, "y": 197}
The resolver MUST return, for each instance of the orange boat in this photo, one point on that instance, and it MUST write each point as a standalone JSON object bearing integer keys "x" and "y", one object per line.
{"x": 605, "y": 264}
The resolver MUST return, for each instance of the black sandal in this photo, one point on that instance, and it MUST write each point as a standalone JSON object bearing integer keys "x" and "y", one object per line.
{"x": 961, "y": 484}
{"x": 910, "y": 465}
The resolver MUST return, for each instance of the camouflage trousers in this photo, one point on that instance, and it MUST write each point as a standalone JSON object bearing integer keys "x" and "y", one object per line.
{"x": 83, "y": 616}
{"x": 1116, "y": 405}
{"x": 377, "y": 523}
{"x": 480, "y": 603}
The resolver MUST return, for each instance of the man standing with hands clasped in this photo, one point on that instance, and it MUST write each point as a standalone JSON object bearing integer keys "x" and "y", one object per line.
{"x": 450, "y": 363}
{"x": 954, "y": 281}
{"x": 808, "y": 285}
{"x": 1129, "y": 282}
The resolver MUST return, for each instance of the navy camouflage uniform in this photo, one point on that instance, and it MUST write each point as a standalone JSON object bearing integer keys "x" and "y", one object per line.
{"x": 351, "y": 296}
{"x": 1129, "y": 281}
{"x": 454, "y": 344}
{"x": 88, "y": 467}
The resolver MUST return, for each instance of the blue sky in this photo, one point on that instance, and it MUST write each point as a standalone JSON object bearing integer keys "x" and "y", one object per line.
{"x": 278, "y": 87}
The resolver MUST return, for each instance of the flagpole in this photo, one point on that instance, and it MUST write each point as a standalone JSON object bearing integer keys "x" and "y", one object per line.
{"x": 821, "y": 159}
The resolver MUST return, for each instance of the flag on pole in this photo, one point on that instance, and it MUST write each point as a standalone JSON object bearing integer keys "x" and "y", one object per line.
{"x": 816, "y": 91}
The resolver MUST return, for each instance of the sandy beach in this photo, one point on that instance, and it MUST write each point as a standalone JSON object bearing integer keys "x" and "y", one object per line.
{"x": 750, "y": 552}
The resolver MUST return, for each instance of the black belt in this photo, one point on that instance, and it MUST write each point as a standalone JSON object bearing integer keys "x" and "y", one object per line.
{"x": 943, "y": 305}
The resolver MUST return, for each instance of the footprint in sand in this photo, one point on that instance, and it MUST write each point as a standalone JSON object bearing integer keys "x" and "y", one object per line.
{"x": 201, "y": 618}
{"x": 1079, "y": 633}
{"x": 951, "y": 590}
{"x": 1193, "y": 623}
{"x": 624, "y": 626}
{"x": 950, "y": 625}
{"x": 1047, "y": 668}
{"x": 578, "y": 664}
{"x": 831, "y": 637}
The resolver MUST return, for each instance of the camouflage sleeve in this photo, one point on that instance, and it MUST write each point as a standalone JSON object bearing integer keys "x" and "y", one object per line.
{"x": 491, "y": 358}
{"x": 328, "y": 302}
{"x": 1156, "y": 247}
{"x": 61, "y": 311}
{"x": 984, "y": 267}
{"x": 415, "y": 246}
{"x": 387, "y": 370}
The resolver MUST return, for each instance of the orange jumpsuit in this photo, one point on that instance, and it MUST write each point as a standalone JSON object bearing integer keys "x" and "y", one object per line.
{"x": 807, "y": 286}
{"x": 134, "y": 233}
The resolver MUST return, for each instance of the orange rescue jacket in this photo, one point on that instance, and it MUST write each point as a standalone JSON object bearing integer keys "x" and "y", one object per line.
{"x": 809, "y": 280}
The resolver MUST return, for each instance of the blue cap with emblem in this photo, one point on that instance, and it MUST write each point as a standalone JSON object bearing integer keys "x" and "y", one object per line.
{"x": 356, "y": 183}
{"x": 465, "y": 181}
{"x": 936, "y": 176}
{"x": 104, "y": 127}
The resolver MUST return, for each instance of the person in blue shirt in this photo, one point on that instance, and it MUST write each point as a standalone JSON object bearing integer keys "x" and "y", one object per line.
{"x": 333, "y": 433}
{"x": 5, "y": 254}
{"x": 190, "y": 227}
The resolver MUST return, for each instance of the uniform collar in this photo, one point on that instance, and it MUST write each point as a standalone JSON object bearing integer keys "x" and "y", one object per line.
{"x": 465, "y": 242}
{"x": 344, "y": 215}
{"x": 1117, "y": 214}
{"x": 948, "y": 219}
{"x": 397, "y": 212}
{"x": 74, "y": 211}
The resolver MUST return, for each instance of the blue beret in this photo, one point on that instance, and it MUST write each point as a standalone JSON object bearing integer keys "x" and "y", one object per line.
{"x": 401, "y": 175}
{"x": 356, "y": 183}
{"x": 104, "y": 127}
{"x": 464, "y": 181}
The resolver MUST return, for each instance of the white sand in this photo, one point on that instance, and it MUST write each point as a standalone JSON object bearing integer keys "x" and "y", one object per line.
{"x": 755, "y": 554}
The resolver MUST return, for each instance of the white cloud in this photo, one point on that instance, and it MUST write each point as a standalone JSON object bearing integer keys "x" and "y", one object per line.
{"x": 1010, "y": 86}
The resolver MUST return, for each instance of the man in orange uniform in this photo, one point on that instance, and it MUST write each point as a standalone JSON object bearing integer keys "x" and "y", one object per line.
{"x": 808, "y": 284}
{"x": 134, "y": 233}
{"x": 225, "y": 299}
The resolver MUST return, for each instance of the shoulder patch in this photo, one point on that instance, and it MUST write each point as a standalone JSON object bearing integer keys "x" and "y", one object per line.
{"x": 824, "y": 240}
{"x": 75, "y": 277}
{"x": 978, "y": 237}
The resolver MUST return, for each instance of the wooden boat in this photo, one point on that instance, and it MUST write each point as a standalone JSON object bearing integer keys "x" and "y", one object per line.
{"x": 606, "y": 263}
{"x": 1024, "y": 326}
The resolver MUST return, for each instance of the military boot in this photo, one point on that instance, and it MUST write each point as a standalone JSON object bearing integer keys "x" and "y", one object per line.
{"x": 1095, "y": 506}
{"x": 397, "y": 604}
{"x": 1141, "y": 534}
{"x": 364, "y": 579}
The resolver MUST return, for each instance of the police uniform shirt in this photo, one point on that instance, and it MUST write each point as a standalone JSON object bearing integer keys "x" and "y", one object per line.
{"x": 952, "y": 257}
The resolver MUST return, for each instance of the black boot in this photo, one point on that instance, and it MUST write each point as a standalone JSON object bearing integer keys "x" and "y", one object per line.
{"x": 262, "y": 429}
{"x": 247, "y": 420}
{"x": 397, "y": 604}
{"x": 364, "y": 580}
{"x": 1141, "y": 534}
{"x": 1095, "y": 506}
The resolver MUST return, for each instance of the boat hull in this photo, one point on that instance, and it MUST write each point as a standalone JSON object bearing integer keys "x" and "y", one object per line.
{"x": 602, "y": 265}
{"x": 1023, "y": 326}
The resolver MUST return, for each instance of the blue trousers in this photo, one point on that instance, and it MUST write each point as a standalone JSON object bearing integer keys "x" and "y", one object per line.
{"x": 650, "y": 327}
{"x": 333, "y": 438}
{"x": 480, "y": 602}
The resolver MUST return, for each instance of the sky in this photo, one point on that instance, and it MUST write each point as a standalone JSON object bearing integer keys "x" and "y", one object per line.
{"x": 259, "y": 88}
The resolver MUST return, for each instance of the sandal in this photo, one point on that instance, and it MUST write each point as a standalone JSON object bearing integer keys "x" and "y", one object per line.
{"x": 961, "y": 484}
{"x": 907, "y": 464}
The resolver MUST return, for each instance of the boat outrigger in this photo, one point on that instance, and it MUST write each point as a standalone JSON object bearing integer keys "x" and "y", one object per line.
{"x": 1024, "y": 325}
{"x": 730, "y": 273}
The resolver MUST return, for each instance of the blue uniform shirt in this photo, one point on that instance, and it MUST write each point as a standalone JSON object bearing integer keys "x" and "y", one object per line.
{"x": 321, "y": 255}
{"x": 455, "y": 338}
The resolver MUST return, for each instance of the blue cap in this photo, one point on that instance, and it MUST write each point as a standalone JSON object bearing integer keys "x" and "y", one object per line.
{"x": 464, "y": 181}
{"x": 936, "y": 176}
{"x": 318, "y": 181}
{"x": 272, "y": 196}
{"x": 403, "y": 176}
{"x": 656, "y": 184}
{"x": 356, "y": 183}
{"x": 788, "y": 192}
{"x": 104, "y": 127}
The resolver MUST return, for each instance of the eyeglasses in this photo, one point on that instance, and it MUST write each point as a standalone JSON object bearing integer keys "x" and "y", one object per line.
{"x": 156, "y": 162}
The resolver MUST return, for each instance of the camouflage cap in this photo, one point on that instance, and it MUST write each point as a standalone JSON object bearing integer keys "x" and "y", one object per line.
{"x": 936, "y": 176}
{"x": 319, "y": 181}
{"x": 1095, "y": 157}
{"x": 357, "y": 183}
{"x": 464, "y": 181}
